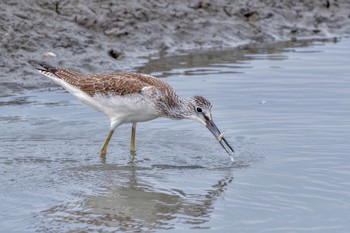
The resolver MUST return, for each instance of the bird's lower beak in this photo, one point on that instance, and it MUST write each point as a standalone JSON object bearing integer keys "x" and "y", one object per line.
{"x": 220, "y": 137}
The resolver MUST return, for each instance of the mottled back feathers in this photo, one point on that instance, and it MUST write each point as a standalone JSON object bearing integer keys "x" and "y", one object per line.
{"x": 122, "y": 83}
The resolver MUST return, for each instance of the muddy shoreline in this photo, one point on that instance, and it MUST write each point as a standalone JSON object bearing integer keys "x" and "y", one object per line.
{"x": 97, "y": 36}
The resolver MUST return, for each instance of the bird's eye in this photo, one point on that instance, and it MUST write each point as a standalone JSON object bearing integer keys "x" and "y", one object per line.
{"x": 199, "y": 109}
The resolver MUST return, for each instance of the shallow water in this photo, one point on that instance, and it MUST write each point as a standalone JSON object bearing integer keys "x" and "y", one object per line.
{"x": 286, "y": 112}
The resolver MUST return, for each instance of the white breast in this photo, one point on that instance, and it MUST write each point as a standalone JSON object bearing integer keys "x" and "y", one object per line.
{"x": 125, "y": 109}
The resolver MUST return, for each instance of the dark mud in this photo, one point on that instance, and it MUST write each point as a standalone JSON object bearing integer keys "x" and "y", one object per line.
{"x": 120, "y": 35}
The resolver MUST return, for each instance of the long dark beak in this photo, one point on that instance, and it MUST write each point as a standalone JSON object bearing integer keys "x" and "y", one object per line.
{"x": 219, "y": 136}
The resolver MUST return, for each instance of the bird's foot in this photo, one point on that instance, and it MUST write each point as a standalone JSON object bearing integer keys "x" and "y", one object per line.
{"x": 133, "y": 153}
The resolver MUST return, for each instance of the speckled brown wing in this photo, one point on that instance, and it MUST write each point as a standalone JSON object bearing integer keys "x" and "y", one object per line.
{"x": 70, "y": 76}
{"x": 114, "y": 83}
{"x": 168, "y": 93}
{"x": 122, "y": 83}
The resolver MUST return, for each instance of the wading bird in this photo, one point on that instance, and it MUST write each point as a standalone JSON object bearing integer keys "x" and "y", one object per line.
{"x": 131, "y": 98}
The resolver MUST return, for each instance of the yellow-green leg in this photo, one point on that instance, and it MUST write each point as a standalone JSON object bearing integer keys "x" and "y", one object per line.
{"x": 103, "y": 150}
{"x": 132, "y": 140}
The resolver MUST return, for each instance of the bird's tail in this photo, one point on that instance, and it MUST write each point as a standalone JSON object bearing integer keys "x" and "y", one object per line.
{"x": 42, "y": 66}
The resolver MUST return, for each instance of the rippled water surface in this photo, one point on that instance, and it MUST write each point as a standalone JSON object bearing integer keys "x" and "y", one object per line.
{"x": 287, "y": 114}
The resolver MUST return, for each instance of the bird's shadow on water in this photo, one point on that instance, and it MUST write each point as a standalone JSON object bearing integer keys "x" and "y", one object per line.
{"x": 133, "y": 197}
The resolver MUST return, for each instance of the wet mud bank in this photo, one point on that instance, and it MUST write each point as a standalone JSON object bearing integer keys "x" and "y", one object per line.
{"x": 93, "y": 36}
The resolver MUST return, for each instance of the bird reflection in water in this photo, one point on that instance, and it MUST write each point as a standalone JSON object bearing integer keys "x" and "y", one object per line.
{"x": 136, "y": 206}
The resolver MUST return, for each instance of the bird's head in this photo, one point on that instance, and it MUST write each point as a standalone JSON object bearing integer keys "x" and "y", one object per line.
{"x": 201, "y": 112}
{"x": 201, "y": 109}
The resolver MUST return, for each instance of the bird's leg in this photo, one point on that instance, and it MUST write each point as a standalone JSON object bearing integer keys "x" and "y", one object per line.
{"x": 105, "y": 144}
{"x": 132, "y": 140}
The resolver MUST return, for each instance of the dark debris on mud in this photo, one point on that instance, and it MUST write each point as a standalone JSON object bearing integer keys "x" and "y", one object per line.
{"x": 119, "y": 35}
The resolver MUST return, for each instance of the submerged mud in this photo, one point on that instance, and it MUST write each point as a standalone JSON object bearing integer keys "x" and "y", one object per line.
{"x": 95, "y": 36}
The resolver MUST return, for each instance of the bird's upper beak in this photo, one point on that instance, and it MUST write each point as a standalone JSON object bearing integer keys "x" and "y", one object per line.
{"x": 219, "y": 136}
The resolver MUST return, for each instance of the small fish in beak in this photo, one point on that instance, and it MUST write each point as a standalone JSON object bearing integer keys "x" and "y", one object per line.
{"x": 220, "y": 137}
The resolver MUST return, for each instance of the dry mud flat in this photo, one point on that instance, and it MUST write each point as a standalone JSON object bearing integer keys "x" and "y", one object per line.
{"x": 118, "y": 35}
